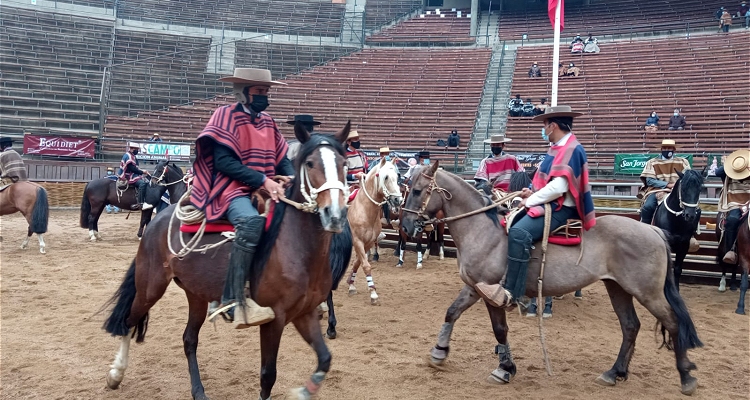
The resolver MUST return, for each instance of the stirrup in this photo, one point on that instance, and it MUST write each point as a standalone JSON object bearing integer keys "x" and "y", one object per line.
{"x": 221, "y": 311}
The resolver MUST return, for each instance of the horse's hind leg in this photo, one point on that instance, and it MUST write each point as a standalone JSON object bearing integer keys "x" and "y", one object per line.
{"x": 353, "y": 275}
{"x": 197, "y": 315}
{"x": 466, "y": 298}
{"x": 743, "y": 290}
{"x": 507, "y": 368}
{"x": 118, "y": 367}
{"x": 309, "y": 329}
{"x": 25, "y": 243}
{"x": 622, "y": 302}
{"x": 331, "y": 332}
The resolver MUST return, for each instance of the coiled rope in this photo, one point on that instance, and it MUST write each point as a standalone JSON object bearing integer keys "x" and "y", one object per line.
{"x": 188, "y": 214}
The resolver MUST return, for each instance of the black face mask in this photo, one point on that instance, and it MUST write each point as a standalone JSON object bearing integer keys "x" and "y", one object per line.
{"x": 135, "y": 152}
{"x": 355, "y": 145}
{"x": 259, "y": 103}
{"x": 667, "y": 153}
{"x": 496, "y": 150}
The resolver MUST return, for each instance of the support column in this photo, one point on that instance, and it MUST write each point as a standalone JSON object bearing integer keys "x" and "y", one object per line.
{"x": 474, "y": 17}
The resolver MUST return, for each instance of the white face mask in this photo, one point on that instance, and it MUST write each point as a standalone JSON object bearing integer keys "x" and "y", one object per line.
{"x": 676, "y": 114}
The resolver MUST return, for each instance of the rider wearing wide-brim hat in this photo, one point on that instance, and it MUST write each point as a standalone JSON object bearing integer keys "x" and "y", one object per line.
{"x": 307, "y": 121}
{"x": 562, "y": 182}
{"x": 423, "y": 158}
{"x": 239, "y": 152}
{"x": 659, "y": 176}
{"x": 499, "y": 167}
{"x": 12, "y": 168}
{"x": 735, "y": 194}
{"x": 356, "y": 159}
{"x": 130, "y": 172}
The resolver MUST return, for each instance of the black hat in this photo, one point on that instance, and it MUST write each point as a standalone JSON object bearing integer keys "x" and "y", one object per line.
{"x": 6, "y": 141}
{"x": 304, "y": 118}
{"x": 423, "y": 154}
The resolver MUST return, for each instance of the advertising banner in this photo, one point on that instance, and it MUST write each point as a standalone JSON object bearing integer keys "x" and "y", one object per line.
{"x": 634, "y": 163}
{"x": 61, "y": 146}
{"x": 162, "y": 151}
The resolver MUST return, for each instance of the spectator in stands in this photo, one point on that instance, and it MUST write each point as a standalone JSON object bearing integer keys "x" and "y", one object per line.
{"x": 516, "y": 106}
{"x": 535, "y": 71}
{"x": 658, "y": 177}
{"x": 541, "y": 107}
{"x": 677, "y": 121}
{"x": 591, "y": 45}
{"x": 528, "y": 108}
{"x": 576, "y": 39}
{"x": 652, "y": 122}
{"x": 572, "y": 70}
{"x": 726, "y": 21}
{"x": 747, "y": 19}
{"x": 356, "y": 160}
{"x": 308, "y": 121}
{"x": 454, "y": 139}
{"x": 12, "y": 168}
{"x": 719, "y": 13}
{"x": 561, "y": 70}
{"x": 743, "y": 10}
{"x": 576, "y": 46}
{"x": 155, "y": 138}
{"x": 497, "y": 169}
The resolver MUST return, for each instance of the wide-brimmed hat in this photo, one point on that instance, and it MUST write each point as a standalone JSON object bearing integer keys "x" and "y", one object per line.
{"x": 6, "y": 141}
{"x": 737, "y": 165}
{"x": 423, "y": 154}
{"x": 384, "y": 150}
{"x": 110, "y": 169}
{"x": 557, "y": 111}
{"x": 495, "y": 139}
{"x": 156, "y": 134}
{"x": 667, "y": 143}
{"x": 353, "y": 135}
{"x": 252, "y": 76}
{"x": 132, "y": 145}
{"x": 304, "y": 118}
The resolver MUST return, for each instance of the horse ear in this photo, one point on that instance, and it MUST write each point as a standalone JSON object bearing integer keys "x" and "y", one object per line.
{"x": 344, "y": 133}
{"x": 434, "y": 167}
{"x": 382, "y": 162}
{"x": 680, "y": 174}
{"x": 301, "y": 133}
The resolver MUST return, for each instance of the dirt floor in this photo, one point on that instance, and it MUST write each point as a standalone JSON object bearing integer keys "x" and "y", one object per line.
{"x": 53, "y": 348}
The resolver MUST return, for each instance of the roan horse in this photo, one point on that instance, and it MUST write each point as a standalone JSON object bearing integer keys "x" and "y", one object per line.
{"x": 100, "y": 192}
{"x": 632, "y": 258}
{"x": 292, "y": 274}
{"x": 31, "y": 200}
{"x": 380, "y": 187}
{"x": 679, "y": 215}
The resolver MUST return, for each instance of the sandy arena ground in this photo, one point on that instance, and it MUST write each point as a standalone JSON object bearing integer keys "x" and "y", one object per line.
{"x": 53, "y": 348}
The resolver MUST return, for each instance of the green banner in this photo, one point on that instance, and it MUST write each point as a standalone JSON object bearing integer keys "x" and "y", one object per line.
{"x": 634, "y": 163}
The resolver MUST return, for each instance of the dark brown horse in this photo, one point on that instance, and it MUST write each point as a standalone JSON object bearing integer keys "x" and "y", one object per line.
{"x": 100, "y": 192}
{"x": 31, "y": 200}
{"x": 292, "y": 273}
{"x": 743, "y": 248}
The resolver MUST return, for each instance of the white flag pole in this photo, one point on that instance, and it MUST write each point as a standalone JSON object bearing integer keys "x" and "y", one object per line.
{"x": 556, "y": 54}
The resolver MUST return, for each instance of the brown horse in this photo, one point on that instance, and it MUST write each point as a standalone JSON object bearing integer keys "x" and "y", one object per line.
{"x": 291, "y": 274}
{"x": 31, "y": 200}
{"x": 743, "y": 248}
{"x": 632, "y": 258}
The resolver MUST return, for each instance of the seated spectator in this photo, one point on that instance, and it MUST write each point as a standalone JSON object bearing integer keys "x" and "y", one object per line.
{"x": 561, "y": 70}
{"x": 541, "y": 107}
{"x": 677, "y": 121}
{"x": 155, "y": 138}
{"x": 572, "y": 70}
{"x": 454, "y": 139}
{"x": 591, "y": 45}
{"x": 576, "y": 40}
{"x": 576, "y": 46}
{"x": 726, "y": 21}
{"x": 743, "y": 9}
{"x": 535, "y": 71}
{"x": 516, "y": 106}
{"x": 747, "y": 19}
{"x": 652, "y": 122}
{"x": 528, "y": 108}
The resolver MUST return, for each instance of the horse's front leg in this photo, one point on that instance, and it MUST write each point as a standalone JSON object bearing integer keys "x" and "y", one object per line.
{"x": 419, "y": 251}
{"x": 680, "y": 253}
{"x": 331, "y": 332}
{"x": 506, "y": 370}
{"x": 270, "y": 338}
{"x": 309, "y": 328}
{"x": 353, "y": 275}
{"x": 743, "y": 290}
{"x": 359, "y": 249}
{"x": 466, "y": 298}
{"x": 197, "y": 314}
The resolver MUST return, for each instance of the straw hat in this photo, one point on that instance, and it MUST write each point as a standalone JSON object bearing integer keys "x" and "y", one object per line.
{"x": 494, "y": 139}
{"x": 110, "y": 169}
{"x": 353, "y": 135}
{"x": 156, "y": 134}
{"x": 304, "y": 118}
{"x": 557, "y": 111}
{"x": 737, "y": 165}
{"x": 252, "y": 76}
{"x": 667, "y": 143}
{"x": 385, "y": 150}
{"x": 132, "y": 145}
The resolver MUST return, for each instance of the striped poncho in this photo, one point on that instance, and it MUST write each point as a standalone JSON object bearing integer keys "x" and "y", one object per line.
{"x": 258, "y": 144}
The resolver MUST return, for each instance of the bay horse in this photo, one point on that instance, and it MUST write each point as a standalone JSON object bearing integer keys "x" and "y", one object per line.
{"x": 100, "y": 192}
{"x": 743, "y": 250}
{"x": 632, "y": 258}
{"x": 31, "y": 200}
{"x": 291, "y": 274}
{"x": 720, "y": 251}
{"x": 380, "y": 187}
{"x": 679, "y": 215}
{"x": 172, "y": 179}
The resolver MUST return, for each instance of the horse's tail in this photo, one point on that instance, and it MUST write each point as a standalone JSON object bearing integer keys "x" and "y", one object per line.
{"x": 117, "y": 323}
{"x": 40, "y": 213}
{"x": 85, "y": 209}
{"x": 687, "y": 337}
{"x": 340, "y": 254}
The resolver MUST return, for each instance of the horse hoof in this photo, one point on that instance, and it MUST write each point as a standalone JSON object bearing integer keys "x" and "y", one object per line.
{"x": 399, "y": 265}
{"x": 375, "y": 301}
{"x": 499, "y": 376}
{"x": 201, "y": 396}
{"x": 419, "y": 266}
{"x": 722, "y": 289}
{"x": 605, "y": 380}
{"x": 299, "y": 394}
{"x": 331, "y": 335}
{"x": 689, "y": 387}
{"x": 113, "y": 383}
{"x": 43, "y": 250}
{"x": 442, "y": 257}
{"x": 740, "y": 311}
{"x": 436, "y": 363}
{"x": 93, "y": 239}
{"x": 426, "y": 256}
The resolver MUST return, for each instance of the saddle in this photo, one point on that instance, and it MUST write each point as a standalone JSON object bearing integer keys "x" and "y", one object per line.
{"x": 261, "y": 201}
{"x": 352, "y": 194}
{"x": 565, "y": 235}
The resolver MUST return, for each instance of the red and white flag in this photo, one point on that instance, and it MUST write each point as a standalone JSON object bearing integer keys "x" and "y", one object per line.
{"x": 551, "y": 6}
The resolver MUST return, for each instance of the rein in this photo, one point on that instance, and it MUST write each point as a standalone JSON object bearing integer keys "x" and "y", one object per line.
{"x": 683, "y": 205}
{"x": 384, "y": 190}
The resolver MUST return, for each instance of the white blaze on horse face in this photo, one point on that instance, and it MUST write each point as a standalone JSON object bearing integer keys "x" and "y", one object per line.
{"x": 331, "y": 173}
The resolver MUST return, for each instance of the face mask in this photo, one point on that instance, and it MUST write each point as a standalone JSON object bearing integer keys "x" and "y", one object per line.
{"x": 496, "y": 150}
{"x": 135, "y": 152}
{"x": 667, "y": 153}
{"x": 387, "y": 158}
{"x": 109, "y": 172}
{"x": 260, "y": 103}
{"x": 653, "y": 115}
{"x": 676, "y": 114}
{"x": 544, "y": 135}
{"x": 355, "y": 145}
{"x": 427, "y": 161}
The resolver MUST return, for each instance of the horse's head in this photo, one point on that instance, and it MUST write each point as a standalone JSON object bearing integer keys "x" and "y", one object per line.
{"x": 690, "y": 185}
{"x": 386, "y": 174}
{"x": 160, "y": 172}
{"x": 421, "y": 204}
{"x": 320, "y": 175}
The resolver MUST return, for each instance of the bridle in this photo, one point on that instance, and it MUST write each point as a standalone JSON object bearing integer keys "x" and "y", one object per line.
{"x": 683, "y": 205}
{"x": 185, "y": 178}
{"x": 310, "y": 205}
{"x": 383, "y": 189}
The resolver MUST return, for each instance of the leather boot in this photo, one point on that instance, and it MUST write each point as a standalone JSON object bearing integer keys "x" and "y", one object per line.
{"x": 519, "y": 244}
